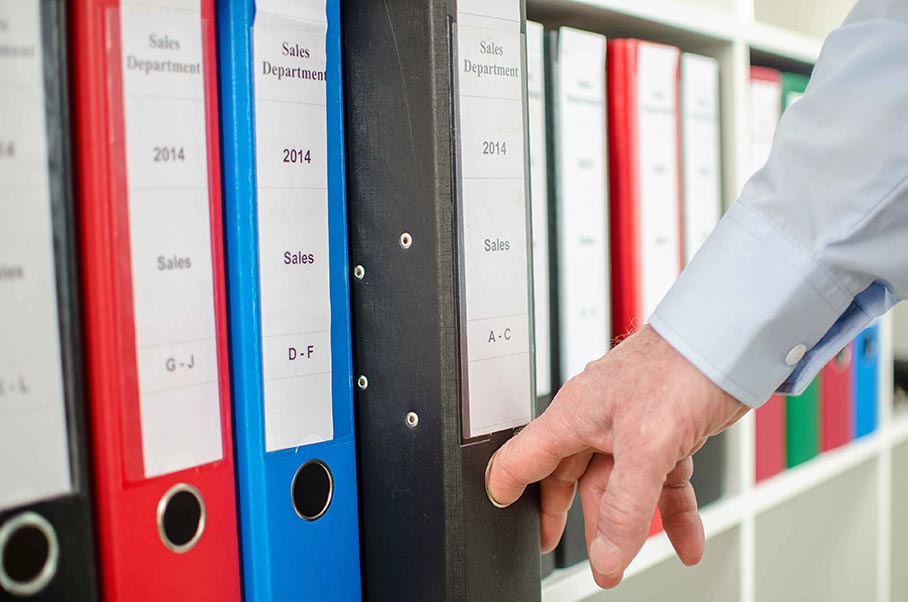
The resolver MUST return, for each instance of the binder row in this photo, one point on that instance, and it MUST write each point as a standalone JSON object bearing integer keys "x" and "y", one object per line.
{"x": 271, "y": 297}
{"x": 841, "y": 403}
{"x": 632, "y": 190}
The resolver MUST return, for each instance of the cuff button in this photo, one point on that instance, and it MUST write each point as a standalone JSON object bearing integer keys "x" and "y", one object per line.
{"x": 796, "y": 354}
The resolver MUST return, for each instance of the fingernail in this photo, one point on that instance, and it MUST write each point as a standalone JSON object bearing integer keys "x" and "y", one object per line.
{"x": 489, "y": 493}
{"x": 605, "y": 556}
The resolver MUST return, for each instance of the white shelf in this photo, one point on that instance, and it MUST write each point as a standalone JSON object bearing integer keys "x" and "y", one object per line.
{"x": 782, "y": 487}
{"x": 671, "y": 19}
{"x": 783, "y": 43}
{"x": 663, "y": 14}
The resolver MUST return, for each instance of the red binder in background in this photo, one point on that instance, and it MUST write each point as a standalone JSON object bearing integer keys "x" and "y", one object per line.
{"x": 145, "y": 103}
{"x": 770, "y": 438}
{"x": 645, "y": 200}
{"x": 836, "y": 399}
{"x": 645, "y": 207}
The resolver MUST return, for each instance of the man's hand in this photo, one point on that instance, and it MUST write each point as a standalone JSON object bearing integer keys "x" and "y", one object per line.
{"x": 625, "y": 429}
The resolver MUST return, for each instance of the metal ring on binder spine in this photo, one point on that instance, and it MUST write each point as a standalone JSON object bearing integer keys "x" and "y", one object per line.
{"x": 324, "y": 502}
{"x": 162, "y": 518}
{"x": 22, "y": 526}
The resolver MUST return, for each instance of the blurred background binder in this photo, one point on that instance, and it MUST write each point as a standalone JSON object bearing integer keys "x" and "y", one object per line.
{"x": 46, "y": 539}
{"x": 578, "y": 198}
{"x": 542, "y": 291}
{"x": 286, "y": 234}
{"x": 578, "y": 194}
{"x": 793, "y": 86}
{"x": 837, "y": 400}
{"x": 536, "y": 110}
{"x": 148, "y": 174}
{"x": 866, "y": 380}
{"x": 645, "y": 200}
{"x": 442, "y": 301}
{"x": 802, "y": 425}
{"x": 765, "y": 109}
{"x": 770, "y": 438}
{"x": 701, "y": 189}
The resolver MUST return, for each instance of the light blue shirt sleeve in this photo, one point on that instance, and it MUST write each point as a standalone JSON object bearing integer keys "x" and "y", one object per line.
{"x": 817, "y": 244}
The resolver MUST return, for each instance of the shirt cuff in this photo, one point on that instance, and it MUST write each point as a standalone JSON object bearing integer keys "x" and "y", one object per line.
{"x": 754, "y": 311}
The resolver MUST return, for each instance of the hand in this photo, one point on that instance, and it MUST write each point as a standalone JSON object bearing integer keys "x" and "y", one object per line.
{"x": 625, "y": 428}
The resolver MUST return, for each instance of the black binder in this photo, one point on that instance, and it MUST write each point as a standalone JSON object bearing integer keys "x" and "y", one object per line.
{"x": 572, "y": 547}
{"x": 46, "y": 546}
{"x": 708, "y": 479}
{"x": 429, "y": 532}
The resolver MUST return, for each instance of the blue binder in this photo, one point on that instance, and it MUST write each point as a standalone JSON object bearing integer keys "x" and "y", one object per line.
{"x": 297, "y": 505}
{"x": 866, "y": 379}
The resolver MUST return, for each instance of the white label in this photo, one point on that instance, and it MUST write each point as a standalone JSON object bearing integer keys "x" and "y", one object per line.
{"x": 540, "y": 203}
{"x": 493, "y": 213}
{"x": 765, "y": 109}
{"x": 700, "y": 133}
{"x": 34, "y": 447}
{"x": 657, "y": 143}
{"x": 583, "y": 258}
{"x": 170, "y": 234}
{"x": 292, "y": 168}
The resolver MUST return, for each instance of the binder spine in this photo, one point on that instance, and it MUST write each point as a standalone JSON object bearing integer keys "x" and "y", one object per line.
{"x": 234, "y": 23}
{"x": 141, "y": 489}
{"x": 770, "y": 438}
{"x": 286, "y": 551}
{"x": 536, "y": 109}
{"x": 866, "y": 379}
{"x": 624, "y": 214}
{"x": 579, "y": 221}
{"x": 837, "y": 398}
{"x": 802, "y": 424}
{"x": 423, "y": 499}
{"x": 68, "y": 517}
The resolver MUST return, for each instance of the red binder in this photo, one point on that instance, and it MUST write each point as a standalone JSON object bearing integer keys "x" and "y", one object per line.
{"x": 645, "y": 229}
{"x": 770, "y": 438}
{"x": 145, "y": 102}
{"x": 644, "y": 174}
{"x": 836, "y": 400}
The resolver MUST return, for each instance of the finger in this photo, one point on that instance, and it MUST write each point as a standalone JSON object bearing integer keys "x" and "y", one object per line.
{"x": 531, "y": 455}
{"x": 678, "y": 506}
{"x": 556, "y": 497}
{"x": 628, "y": 504}
{"x": 591, "y": 489}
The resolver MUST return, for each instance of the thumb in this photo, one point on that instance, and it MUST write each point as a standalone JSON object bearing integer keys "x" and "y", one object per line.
{"x": 626, "y": 509}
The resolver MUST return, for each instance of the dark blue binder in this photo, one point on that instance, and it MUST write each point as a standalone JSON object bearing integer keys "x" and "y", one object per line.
{"x": 866, "y": 379}
{"x": 297, "y": 499}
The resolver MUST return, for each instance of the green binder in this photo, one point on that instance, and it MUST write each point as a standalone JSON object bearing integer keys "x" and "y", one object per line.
{"x": 793, "y": 86}
{"x": 802, "y": 411}
{"x": 803, "y": 424}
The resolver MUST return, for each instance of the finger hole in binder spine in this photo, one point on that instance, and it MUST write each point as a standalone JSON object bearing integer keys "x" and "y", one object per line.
{"x": 181, "y": 518}
{"x": 312, "y": 490}
{"x": 29, "y": 552}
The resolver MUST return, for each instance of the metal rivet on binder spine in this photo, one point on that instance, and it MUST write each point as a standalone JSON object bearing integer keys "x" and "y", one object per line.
{"x": 412, "y": 419}
{"x": 362, "y": 382}
{"x": 406, "y": 240}
{"x": 359, "y": 272}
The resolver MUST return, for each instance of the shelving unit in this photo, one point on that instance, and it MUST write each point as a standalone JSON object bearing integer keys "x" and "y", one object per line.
{"x": 799, "y": 531}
